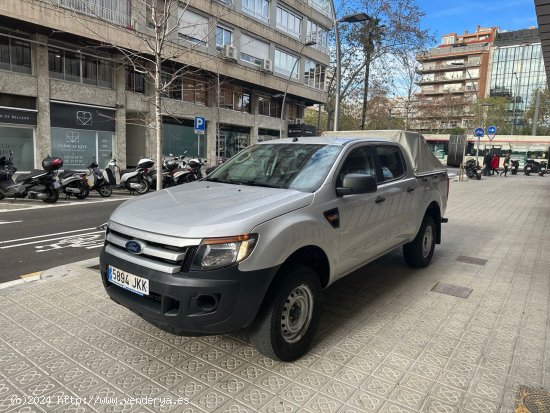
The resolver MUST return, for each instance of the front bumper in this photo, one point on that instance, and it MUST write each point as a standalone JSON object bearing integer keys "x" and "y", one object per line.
{"x": 176, "y": 301}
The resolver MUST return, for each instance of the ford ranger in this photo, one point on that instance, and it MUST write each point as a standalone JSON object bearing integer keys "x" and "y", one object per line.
{"x": 253, "y": 245}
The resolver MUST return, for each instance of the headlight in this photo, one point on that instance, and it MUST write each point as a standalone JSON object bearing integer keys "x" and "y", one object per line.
{"x": 222, "y": 252}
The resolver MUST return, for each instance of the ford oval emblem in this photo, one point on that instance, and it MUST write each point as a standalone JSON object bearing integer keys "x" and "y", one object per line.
{"x": 134, "y": 247}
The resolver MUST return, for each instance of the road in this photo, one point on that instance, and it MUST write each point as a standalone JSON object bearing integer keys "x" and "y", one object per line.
{"x": 38, "y": 238}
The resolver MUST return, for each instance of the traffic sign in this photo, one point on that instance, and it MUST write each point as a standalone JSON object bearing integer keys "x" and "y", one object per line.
{"x": 492, "y": 130}
{"x": 479, "y": 132}
{"x": 200, "y": 125}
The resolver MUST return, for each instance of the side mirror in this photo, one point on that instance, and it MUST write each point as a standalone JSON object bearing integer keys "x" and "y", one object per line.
{"x": 357, "y": 184}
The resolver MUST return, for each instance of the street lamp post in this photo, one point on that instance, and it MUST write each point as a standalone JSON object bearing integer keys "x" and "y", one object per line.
{"x": 514, "y": 105}
{"x": 477, "y": 102}
{"x": 310, "y": 43}
{"x": 350, "y": 18}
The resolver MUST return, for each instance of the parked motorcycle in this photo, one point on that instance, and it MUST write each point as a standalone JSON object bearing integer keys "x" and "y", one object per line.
{"x": 543, "y": 167}
{"x": 73, "y": 183}
{"x": 196, "y": 164}
{"x": 514, "y": 168}
{"x": 531, "y": 166}
{"x": 473, "y": 171}
{"x": 38, "y": 184}
{"x": 96, "y": 181}
{"x": 138, "y": 179}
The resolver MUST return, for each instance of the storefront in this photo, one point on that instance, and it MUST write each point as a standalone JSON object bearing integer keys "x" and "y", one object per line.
{"x": 268, "y": 134}
{"x": 231, "y": 140}
{"x": 179, "y": 138}
{"x": 82, "y": 134}
{"x": 17, "y": 134}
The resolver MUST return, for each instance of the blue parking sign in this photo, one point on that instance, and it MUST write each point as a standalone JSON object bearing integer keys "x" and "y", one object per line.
{"x": 200, "y": 125}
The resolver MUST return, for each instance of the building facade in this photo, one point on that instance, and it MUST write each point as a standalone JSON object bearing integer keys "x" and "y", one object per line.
{"x": 453, "y": 75}
{"x": 517, "y": 71}
{"x": 67, "y": 87}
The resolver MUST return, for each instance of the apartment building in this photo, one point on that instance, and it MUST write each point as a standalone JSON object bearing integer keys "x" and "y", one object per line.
{"x": 66, "y": 89}
{"x": 455, "y": 73}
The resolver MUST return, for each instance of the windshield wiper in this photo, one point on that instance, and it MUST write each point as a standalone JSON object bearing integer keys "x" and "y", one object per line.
{"x": 252, "y": 182}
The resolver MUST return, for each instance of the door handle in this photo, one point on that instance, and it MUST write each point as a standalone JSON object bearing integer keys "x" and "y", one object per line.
{"x": 379, "y": 199}
{"x": 411, "y": 188}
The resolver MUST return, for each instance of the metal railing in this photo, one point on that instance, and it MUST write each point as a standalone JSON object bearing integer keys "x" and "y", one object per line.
{"x": 90, "y": 7}
{"x": 456, "y": 49}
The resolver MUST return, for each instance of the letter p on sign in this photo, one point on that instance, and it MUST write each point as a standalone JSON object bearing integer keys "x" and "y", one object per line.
{"x": 200, "y": 125}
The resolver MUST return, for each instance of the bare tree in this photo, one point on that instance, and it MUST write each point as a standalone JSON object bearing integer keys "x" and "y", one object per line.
{"x": 161, "y": 43}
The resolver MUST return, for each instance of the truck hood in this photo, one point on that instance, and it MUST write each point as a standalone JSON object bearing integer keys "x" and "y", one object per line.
{"x": 208, "y": 209}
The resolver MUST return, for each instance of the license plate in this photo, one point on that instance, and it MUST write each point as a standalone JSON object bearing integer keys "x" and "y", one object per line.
{"x": 56, "y": 185}
{"x": 128, "y": 281}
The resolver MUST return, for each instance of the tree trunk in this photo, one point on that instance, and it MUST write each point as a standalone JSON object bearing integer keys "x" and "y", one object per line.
{"x": 367, "y": 50}
{"x": 158, "y": 120}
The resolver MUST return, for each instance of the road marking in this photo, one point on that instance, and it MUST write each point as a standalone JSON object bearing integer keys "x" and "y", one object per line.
{"x": 59, "y": 205}
{"x": 47, "y": 235}
{"x": 9, "y": 222}
{"x": 48, "y": 240}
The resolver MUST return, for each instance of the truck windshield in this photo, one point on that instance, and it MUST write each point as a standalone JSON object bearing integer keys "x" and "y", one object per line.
{"x": 302, "y": 167}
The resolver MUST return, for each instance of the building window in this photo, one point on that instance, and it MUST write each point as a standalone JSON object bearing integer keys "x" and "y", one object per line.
{"x": 192, "y": 27}
{"x": 321, "y": 5}
{"x": 224, "y": 37}
{"x": 269, "y": 107}
{"x": 253, "y": 50}
{"x": 194, "y": 91}
{"x": 135, "y": 81}
{"x": 15, "y": 55}
{"x": 295, "y": 112}
{"x": 114, "y": 11}
{"x": 234, "y": 98}
{"x": 80, "y": 68}
{"x": 286, "y": 64}
{"x": 288, "y": 22}
{"x": 314, "y": 75}
{"x": 257, "y": 8}
{"x": 317, "y": 34}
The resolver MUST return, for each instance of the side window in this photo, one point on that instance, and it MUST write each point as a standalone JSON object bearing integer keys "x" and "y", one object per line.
{"x": 391, "y": 162}
{"x": 359, "y": 161}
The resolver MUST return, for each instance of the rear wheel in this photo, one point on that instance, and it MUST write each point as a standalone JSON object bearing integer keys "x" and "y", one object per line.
{"x": 53, "y": 196}
{"x": 419, "y": 252}
{"x": 143, "y": 188}
{"x": 289, "y": 317}
{"x": 84, "y": 190}
{"x": 1, "y": 195}
{"x": 105, "y": 190}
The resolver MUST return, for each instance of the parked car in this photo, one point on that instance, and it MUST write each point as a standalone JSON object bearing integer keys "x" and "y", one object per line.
{"x": 254, "y": 243}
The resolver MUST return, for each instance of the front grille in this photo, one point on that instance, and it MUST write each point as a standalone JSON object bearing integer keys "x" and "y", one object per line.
{"x": 159, "y": 252}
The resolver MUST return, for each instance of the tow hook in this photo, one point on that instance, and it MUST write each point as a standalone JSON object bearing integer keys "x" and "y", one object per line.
{"x": 444, "y": 220}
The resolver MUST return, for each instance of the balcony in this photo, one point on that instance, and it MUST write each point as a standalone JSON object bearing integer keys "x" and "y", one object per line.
{"x": 456, "y": 49}
{"x": 444, "y": 67}
{"x": 92, "y": 8}
{"x": 442, "y": 79}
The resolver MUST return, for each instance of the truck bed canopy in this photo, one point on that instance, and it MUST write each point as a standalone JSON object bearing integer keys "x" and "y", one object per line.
{"x": 414, "y": 144}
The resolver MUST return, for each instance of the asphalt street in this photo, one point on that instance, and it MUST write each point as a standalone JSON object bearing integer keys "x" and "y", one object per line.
{"x": 36, "y": 238}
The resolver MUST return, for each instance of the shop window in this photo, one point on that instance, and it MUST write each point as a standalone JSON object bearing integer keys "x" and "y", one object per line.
{"x": 15, "y": 55}
{"x": 20, "y": 141}
{"x": 79, "y": 147}
{"x": 179, "y": 138}
{"x": 231, "y": 140}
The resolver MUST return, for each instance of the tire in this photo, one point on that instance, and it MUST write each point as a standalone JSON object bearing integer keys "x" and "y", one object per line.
{"x": 85, "y": 191}
{"x": 527, "y": 173}
{"x": 183, "y": 180}
{"x": 105, "y": 190}
{"x": 54, "y": 196}
{"x": 144, "y": 187}
{"x": 297, "y": 294}
{"x": 478, "y": 177}
{"x": 1, "y": 195}
{"x": 419, "y": 252}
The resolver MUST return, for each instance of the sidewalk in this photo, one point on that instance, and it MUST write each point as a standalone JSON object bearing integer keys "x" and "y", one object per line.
{"x": 387, "y": 343}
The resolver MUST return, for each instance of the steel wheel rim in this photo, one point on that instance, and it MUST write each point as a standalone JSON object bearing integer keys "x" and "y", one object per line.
{"x": 427, "y": 241}
{"x": 297, "y": 313}
{"x": 104, "y": 190}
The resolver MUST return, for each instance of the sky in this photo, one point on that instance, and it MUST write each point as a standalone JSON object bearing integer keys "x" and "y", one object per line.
{"x": 447, "y": 16}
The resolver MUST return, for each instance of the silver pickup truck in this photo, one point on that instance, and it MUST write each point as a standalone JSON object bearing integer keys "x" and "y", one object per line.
{"x": 253, "y": 244}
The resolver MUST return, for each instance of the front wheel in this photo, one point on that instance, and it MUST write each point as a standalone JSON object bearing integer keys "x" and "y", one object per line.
{"x": 53, "y": 196}
{"x": 527, "y": 173}
{"x": 289, "y": 317}
{"x": 105, "y": 190}
{"x": 419, "y": 252}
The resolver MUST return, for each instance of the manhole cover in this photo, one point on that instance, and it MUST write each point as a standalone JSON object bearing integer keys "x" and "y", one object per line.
{"x": 451, "y": 289}
{"x": 532, "y": 400}
{"x": 471, "y": 260}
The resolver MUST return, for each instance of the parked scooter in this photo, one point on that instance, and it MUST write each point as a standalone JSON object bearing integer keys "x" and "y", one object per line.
{"x": 38, "y": 184}
{"x": 73, "y": 183}
{"x": 196, "y": 164}
{"x": 97, "y": 181}
{"x": 138, "y": 179}
{"x": 531, "y": 166}
{"x": 514, "y": 168}
{"x": 543, "y": 167}
{"x": 473, "y": 171}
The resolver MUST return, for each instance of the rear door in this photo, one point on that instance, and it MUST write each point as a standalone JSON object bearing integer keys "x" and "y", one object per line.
{"x": 400, "y": 192}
